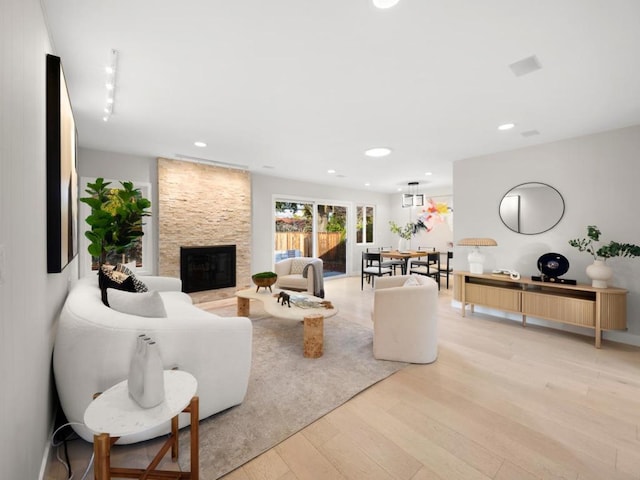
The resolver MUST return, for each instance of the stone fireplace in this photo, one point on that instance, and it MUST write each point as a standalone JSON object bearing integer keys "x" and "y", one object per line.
{"x": 204, "y": 205}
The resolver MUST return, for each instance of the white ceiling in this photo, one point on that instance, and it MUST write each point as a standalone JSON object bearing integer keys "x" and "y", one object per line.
{"x": 302, "y": 86}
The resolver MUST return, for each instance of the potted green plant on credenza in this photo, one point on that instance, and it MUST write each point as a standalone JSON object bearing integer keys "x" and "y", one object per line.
{"x": 599, "y": 272}
{"x": 115, "y": 219}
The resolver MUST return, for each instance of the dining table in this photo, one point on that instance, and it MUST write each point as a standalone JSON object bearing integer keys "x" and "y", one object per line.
{"x": 405, "y": 256}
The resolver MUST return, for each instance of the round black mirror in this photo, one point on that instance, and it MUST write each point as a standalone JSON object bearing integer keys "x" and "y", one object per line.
{"x": 531, "y": 208}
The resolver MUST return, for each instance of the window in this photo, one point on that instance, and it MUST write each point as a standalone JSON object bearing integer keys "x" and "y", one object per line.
{"x": 364, "y": 224}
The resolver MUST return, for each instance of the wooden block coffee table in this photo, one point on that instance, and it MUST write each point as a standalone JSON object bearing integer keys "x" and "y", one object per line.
{"x": 302, "y": 309}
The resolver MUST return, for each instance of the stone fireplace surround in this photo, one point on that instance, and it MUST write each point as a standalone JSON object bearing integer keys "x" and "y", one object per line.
{"x": 203, "y": 205}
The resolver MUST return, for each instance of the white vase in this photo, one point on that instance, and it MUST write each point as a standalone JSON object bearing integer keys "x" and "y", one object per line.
{"x": 402, "y": 244}
{"x": 599, "y": 273}
{"x": 135, "y": 379}
{"x": 151, "y": 391}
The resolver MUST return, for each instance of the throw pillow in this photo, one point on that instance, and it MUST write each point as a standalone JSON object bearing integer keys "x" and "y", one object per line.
{"x": 109, "y": 278}
{"x": 139, "y": 284}
{"x": 297, "y": 265}
{"x": 131, "y": 265}
{"x": 147, "y": 304}
{"x": 412, "y": 281}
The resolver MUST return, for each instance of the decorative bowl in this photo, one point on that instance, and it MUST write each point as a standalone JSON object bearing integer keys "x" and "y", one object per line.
{"x": 264, "y": 279}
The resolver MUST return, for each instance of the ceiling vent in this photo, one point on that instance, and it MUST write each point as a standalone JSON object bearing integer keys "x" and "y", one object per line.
{"x": 530, "y": 133}
{"x": 525, "y": 66}
{"x": 211, "y": 162}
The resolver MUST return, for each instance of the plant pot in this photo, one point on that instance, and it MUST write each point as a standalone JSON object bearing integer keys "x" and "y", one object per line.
{"x": 265, "y": 282}
{"x": 599, "y": 273}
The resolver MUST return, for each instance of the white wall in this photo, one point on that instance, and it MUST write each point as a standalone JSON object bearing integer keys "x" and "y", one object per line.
{"x": 598, "y": 177}
{"x": 98, "y": 163}
{"x": 263, "y": 190}
{"x": 442, "y": 234}
{"x": 30, "y": 299}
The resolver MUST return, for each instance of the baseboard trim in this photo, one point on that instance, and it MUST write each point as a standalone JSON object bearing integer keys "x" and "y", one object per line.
{"x": 46, "y": 453}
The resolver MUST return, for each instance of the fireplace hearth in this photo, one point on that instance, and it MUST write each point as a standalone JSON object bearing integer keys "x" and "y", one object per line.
{"x": 207, "y": 268}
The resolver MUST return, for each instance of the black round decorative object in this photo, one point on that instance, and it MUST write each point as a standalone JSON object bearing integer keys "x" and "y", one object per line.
{"x": 553, "y": 265}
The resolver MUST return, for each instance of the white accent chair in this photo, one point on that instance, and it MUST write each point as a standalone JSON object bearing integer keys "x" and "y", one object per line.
{"x": 405, "y": 319}
{"x": 290, "y": 277}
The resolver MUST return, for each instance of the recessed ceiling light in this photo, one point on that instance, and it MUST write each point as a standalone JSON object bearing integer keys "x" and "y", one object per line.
{"x": 378, "y": 152}
{"x": 530, "y": 133}
{"x": 331, "y": 170}
{"x": 385, "y": 3}
{"x": 506, "y": 126}
{"x": 428, "y": 173}
{"x": 200, "y": 144}
{"x": 367, "y": 184}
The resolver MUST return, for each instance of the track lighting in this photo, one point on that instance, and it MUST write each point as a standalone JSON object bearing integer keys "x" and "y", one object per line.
{"x": 110, "y": 84}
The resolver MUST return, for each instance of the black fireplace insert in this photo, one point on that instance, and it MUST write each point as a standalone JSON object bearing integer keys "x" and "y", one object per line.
{"x": 207, "y": 268}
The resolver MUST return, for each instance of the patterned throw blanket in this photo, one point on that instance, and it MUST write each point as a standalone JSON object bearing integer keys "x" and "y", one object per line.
{"x": 318, "y": 279}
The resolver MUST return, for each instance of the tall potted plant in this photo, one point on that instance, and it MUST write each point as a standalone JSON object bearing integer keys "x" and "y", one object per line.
{"x": 115, "y": 219}
{"x": 599, "y": 272}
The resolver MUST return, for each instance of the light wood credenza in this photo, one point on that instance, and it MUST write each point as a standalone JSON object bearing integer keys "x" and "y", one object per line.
{"x": 581, "y": 305}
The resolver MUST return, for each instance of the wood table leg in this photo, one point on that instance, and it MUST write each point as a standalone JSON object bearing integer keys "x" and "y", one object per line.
{"x": 175, "y": 446}
{"x": 102, "y": 456}
{"x": 243, "y": 307}
{"x": 195, "y": 440}
{"x": 313, "y": 336}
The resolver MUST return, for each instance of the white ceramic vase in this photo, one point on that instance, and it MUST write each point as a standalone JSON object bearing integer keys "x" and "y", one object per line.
{"x": 402, "y": 244}
{"x": 599, "y": 273}
{"x": 146, "y": 374}
{"x": 134, "y": 382}
{"x": 153, "y": 377}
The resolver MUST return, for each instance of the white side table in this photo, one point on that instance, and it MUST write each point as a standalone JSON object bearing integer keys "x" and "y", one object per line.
{"x": 114, "y": 414}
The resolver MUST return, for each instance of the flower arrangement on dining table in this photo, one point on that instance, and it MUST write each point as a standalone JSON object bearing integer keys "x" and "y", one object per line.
{"x": 431, "y": 214}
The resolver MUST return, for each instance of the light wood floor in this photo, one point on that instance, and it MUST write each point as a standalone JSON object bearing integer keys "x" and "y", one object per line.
{"x": 501, "y": 402}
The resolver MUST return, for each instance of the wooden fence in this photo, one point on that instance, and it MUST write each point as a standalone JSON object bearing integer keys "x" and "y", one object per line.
{"x": 330, "y": 247}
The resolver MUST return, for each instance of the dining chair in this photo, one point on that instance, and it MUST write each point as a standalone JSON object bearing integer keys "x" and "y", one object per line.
{"x": 447, "y": 269}
{"x": 429, "y": 267}
{"x": 372, "y": 268}
{"x": 424, "y": 263}
{"x": 393, "y": 264}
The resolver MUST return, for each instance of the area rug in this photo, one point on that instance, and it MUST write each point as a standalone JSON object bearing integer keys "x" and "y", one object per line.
{"x": 286, "y": 391}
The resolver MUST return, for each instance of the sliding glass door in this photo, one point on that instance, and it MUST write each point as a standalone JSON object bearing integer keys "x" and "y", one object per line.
{"x": 312, "y": 229}
{"x": 331, "y": 238}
